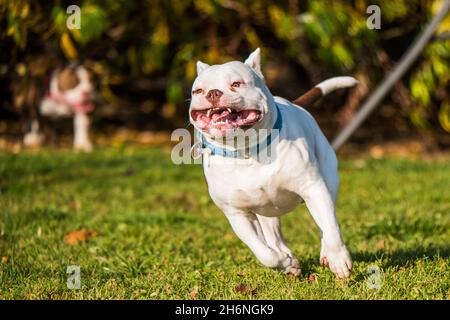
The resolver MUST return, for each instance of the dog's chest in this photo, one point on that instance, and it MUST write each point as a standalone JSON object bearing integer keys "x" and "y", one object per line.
{"x": 254, "y": 187}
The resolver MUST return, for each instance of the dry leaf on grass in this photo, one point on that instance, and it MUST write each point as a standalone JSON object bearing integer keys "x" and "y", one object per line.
{"x": 380, "y": 244}
{"x": 312, "y": 278}
{"x": 168, "y": 288}
{"x": 242, "y": 288}
{"x": 377, "y": 152}
{"x": 76, "y": 236}
{"x": 194, "y": 293}
{"x": 5, "y": 259}
{"x": 74, "y": 205}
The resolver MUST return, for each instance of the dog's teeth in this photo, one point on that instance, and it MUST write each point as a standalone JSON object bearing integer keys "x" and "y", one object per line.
{"x": 229, "y": 110}
{"x": 208, "y": 113}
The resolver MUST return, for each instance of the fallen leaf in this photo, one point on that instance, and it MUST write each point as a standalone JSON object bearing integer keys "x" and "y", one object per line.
{"x": 241, "y": 288}
{"x": 73, "y": 237}
{"x": 194, "y": 293}
{"x": 168, "y": 287}
{"x": 312, "y": 278}
{"x": 5, "y": 259}
{"x": 376, "y": 152}
{"x": 380, "y": 244}
{"x": 74, "y": 205}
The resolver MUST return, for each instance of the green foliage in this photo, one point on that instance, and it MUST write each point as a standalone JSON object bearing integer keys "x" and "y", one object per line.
{"x": 16, "y": 20}
{"x": 159, "y": 236}
{"x": 432, "y": 74}
{"x": 127, "y": 41}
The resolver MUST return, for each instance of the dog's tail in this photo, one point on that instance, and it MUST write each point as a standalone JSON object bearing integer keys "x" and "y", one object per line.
{"x": 324, "y": 88}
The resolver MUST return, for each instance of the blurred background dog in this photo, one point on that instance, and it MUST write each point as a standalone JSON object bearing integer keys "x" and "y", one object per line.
{"x": 69, "y": 94}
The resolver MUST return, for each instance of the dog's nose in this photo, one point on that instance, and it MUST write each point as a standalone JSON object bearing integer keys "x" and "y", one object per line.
{"x": 213, "y": 96}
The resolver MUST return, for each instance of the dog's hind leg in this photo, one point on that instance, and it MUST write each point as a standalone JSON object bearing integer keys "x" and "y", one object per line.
{"x": 271, "y": 228}
{"x": 33, "y": 138}
{"x": 328, "y": 164}
{"x": 248, "y": 229}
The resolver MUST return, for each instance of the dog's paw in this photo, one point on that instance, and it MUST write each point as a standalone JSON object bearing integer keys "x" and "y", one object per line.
{"x": 338, "y": 260}
{"x": 86, "y": 146}
{"x": 33, "y": 140}
{"x": 289, "y": 264}
{"x": 293, "y": 270}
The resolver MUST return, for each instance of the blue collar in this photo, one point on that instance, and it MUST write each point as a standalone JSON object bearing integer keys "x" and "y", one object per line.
{"x": 215, "y": 150}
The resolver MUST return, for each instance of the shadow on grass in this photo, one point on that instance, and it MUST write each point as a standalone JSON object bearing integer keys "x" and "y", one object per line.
{"x": 402, "y": 257}
{"x": 397, "y": 258}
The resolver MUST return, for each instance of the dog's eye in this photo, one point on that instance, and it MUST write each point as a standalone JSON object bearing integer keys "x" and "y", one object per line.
{"x": 236, "y": 84}
{"x": 197, "y": 91}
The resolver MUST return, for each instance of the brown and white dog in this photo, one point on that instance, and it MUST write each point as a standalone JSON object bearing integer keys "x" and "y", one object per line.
{"x": 70, "y": 93}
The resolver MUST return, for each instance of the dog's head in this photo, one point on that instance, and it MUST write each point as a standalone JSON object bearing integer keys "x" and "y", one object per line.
{"x": 74, "y": 85}
{"x": 229, "y": 96}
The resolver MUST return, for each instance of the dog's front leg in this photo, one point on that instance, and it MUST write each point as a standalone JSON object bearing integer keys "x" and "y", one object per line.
{"x": 322, "y": 208}
{"x": 248, "y": 229}
{"x": 81, "y": 132}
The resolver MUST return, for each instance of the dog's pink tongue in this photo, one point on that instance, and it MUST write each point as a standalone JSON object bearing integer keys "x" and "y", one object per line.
{"x": 248, "y": 116}
{"x": 222, "y": 116}
{"x": 202, "y": 121}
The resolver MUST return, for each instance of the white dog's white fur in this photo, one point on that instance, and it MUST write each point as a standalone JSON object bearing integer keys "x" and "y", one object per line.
{"x": 253, "y": 195}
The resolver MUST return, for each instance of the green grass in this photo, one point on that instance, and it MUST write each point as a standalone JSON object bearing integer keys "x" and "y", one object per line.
{"x": 161, "y": 237}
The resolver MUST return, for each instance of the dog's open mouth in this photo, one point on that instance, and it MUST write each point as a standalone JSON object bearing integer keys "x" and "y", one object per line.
{"x": 225, "y": 118}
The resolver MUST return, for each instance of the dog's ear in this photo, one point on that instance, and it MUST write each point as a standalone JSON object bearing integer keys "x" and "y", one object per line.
{"x": 254, "y": 62}
{"x": 201, "y": 66}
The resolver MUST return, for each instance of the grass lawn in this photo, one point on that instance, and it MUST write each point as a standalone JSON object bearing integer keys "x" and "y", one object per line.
{"x": 159, "y": 236}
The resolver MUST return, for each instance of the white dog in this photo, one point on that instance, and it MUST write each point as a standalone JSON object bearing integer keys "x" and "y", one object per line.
{"x": 70, "y": 94}
{"x": 231, "y": 99}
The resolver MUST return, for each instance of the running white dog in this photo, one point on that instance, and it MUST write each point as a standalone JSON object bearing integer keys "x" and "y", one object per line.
{"x": 231, "y": 99}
